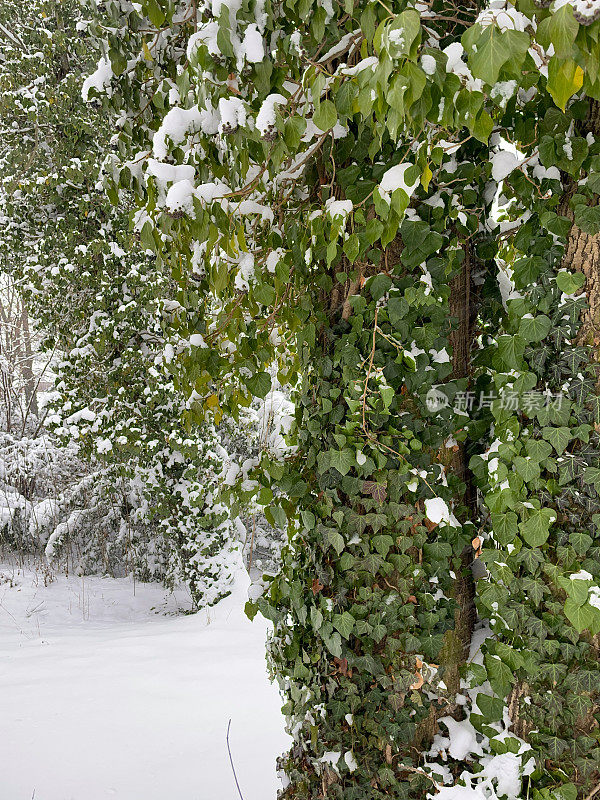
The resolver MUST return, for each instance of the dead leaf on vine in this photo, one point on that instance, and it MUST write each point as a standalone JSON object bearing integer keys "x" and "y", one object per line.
{"x": 420, "y": 680}
{"x": 316, "y": 586}
{"x": 342, "y": 665}
{"x": 232, "y": 83}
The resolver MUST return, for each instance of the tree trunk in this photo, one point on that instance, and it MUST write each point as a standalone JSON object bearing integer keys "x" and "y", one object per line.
{"x": 526, "y": 700}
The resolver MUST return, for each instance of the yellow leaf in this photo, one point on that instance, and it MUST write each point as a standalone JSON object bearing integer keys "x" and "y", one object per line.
{"x": 242, "y": 240}
{"x": 146, "y": 51}
{"x": 565, "y": 78}
{"x": 426, "y": 176}
{"x": 212, "y": 401}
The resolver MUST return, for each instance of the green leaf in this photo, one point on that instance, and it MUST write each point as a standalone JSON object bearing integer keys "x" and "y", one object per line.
{"x": 308, "y": 519}
{"x": 559, "y": 29}
{"x": 504, "y": 527}
{"x": 276, "y": 516}
{"x": 500, "y": 675}
{"x": 580, "y": 542}
{"x": 408, "y": 23}
{"x": 379, "y": 286}
{"x": 293, "y": 131}
{"x": 344, "y": 98}
{"x": 336, "y": 540}
{"x": 398, "y": 309}
{"x": 483, "y": 126}
{"x": 536, "y": 529}
{"x": 344, "y": 623}
{"x": 155, "y": 13}
{"x": 570, "y": 282}
{"x": 489, "y": 50}
{"x": 492, "y": 708}
{"x": 592, "y": 476}
{"x": 334, "y": 644}
{"x": 264, "y": 294}
{"x": 325, "y": 117}
{"x": 224, "y": 34}
{"x": 510, "y": 351}
{"x": 534, "y": 329}
{"x": 352, "y": 247}
{"x": 342, "y": 460}
{"x": 565, "y": 78}
{"x": 387, "y": 395}
{"x": 559, "y": 438}
{"x": 588, "y": 219}
{"x": 118, "y": 62}
{"x": 528, "y": 469}
{"x": 316, "y": 617}
{"x": 580, "y": 617}
{"x": 577, "y": 590}
{"x": 568, "y": 791}
{"x": 259, "y": 384}
{"x": 538, "y": 449}
{"x": 382, "y": 544}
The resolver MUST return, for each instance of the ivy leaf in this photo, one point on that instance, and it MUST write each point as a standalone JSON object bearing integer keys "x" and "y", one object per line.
{"x": 580, "y": 617}
{"x": 380, "y": 285}
{"x": 555, "y": 746}
{"x": 336, "y": 540}
{"x": 382, "y": 544}
{"x": 504, "y": 527}
{"x": 489, "y": 50}
{"x": 316, "y": 617}
{"x": 344, "y": 623}
{"x": 372, "y": 563}
{"x": 378, "y": 491}
{"x": 398, "y": 309}
{"x": 534, "y": 329}
{"x": 510, "y": 350}
{"x": 538, "y": 449}
{"x": 588, "y": 219}
{"x": 559, "y": 438}
{"x": 592, "y": 476}
{"x": 570, "y": 282}
{"x": 559, "y": 29}
{"x": 342, "y": 460}
{"x": 325, "y": 117}
{"x": 536, "y": 529}
{"x": 259, "y": 384}
{"x": 500, "y": 675}
{"x": 492, "y": 708}
{"x": 528, "y": 469}
{"x": 580, "y": 542}
{"x": 535, "y": 590}
{"x": 334, "y": 644}
{"x": 565, "y": 78}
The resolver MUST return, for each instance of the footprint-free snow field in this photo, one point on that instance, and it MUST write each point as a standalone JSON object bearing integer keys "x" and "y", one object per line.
{"x": 108, "y": 693}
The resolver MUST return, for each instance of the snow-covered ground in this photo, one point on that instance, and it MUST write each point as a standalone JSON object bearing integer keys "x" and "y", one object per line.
{"x": 108, "y": 693}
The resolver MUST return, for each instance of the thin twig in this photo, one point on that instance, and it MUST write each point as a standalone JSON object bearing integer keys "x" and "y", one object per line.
{"x": 417, "y": 771}
{"x": 231, "y": 762}
{"x": 251, "y": 545}
{"x": 593, "y": 793}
